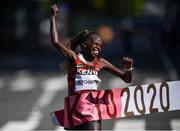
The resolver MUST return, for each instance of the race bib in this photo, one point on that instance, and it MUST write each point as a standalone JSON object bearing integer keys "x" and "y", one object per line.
{"x": 86, "y": 82}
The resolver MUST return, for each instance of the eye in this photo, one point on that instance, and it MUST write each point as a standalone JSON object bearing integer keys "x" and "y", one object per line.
{"x": 99, "y": 44}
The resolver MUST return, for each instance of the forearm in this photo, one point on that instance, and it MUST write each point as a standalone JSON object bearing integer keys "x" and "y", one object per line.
{"x": 127, "y": 76}
{"x": 53, "y": 30}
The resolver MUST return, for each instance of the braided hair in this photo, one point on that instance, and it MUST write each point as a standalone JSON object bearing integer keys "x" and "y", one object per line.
{"x": 77, "y": 40}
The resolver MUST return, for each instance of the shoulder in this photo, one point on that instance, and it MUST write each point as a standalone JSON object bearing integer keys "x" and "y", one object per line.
{"x": 74, "y": 59}
{"x": 106, "y": 64}
{"x": 103, "y": 62}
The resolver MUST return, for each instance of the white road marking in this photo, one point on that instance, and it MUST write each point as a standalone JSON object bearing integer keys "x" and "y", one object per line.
{"x": 175, "y": 124}
{"x": 59, "y": 128}
{"x": 129, "y": 125}
{"x": 51, "y": 87}
{"x": 22, "y": 83}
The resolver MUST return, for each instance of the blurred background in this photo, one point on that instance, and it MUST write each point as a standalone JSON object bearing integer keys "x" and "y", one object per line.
{"x": 31, "y": 82}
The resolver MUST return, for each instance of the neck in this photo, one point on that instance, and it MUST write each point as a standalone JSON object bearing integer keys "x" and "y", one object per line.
{"x": 88, "y": 57}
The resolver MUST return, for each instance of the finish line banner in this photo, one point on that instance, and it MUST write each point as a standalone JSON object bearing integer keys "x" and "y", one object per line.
{"x": 118, "y": 103}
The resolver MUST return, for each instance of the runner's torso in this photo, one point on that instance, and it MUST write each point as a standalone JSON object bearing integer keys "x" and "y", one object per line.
{"x": 83, "y": 75}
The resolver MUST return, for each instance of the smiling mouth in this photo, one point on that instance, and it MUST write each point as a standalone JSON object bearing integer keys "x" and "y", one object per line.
{"x": 96, "y": 53}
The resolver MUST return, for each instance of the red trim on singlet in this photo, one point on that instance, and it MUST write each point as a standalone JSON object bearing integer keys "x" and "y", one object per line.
{"x": 77, "y": 60}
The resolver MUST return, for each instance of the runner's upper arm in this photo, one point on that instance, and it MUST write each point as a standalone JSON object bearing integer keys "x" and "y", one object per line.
{"x": 67, "y": 53}
{"x": 111, "y": 68}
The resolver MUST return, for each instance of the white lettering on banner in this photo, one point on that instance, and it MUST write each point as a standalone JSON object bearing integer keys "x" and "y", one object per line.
{"x": 150, "y": 98}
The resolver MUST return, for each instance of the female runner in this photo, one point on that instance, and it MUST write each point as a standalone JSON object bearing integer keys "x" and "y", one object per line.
{"x": 84, "y": 65}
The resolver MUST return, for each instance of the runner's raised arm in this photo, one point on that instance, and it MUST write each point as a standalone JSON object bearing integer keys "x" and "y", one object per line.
{"x": 54, "y": 35}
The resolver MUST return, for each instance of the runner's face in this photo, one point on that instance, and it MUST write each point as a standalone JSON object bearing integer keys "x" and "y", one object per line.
{"x": 94, "y": 46}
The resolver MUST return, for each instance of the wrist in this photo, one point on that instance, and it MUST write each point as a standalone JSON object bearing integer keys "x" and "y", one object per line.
{"x": 129, "y": 69}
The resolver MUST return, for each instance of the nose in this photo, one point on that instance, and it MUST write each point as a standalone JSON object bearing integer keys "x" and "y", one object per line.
{"x": 98, "y": 47}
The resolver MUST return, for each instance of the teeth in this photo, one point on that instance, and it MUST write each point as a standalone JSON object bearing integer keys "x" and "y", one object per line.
{"x": 96, "y": 52}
